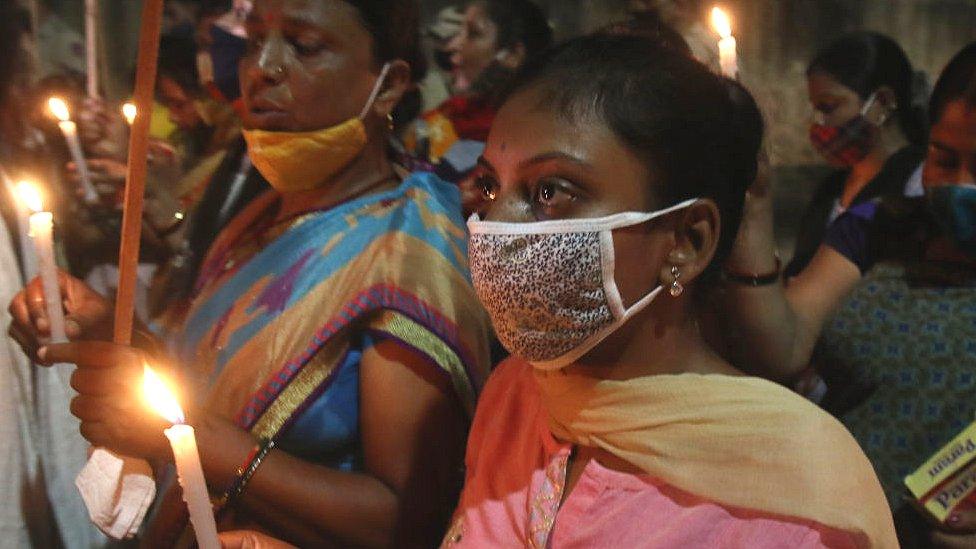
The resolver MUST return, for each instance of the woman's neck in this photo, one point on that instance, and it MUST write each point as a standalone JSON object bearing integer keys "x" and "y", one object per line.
{"x": 663, "y": 339}
{"x": 365, "y": 175}
{"x": 891, "y": 141}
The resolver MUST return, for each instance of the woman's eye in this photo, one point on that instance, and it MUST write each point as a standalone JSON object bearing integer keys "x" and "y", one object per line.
{"x": 488, "y": 186}
{"x": 825, "y": 108}
{"x": 550, "y": 194}
{"x": 305, "y": 47}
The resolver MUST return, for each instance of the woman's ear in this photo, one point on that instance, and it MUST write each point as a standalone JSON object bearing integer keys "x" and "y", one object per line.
{"x": 398, "y": 81}
{"x": 511, "y": 57}
{"x": 696, "y": 238}
{"x": 887, "y": 100}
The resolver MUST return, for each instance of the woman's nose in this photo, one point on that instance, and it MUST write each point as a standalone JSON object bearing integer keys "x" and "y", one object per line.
{"x": 272, "y": 59}
{"x": 508, "y": 207}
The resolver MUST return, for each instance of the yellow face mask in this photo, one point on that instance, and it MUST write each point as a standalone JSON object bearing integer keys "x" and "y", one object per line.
{"x": 303, "y": 161}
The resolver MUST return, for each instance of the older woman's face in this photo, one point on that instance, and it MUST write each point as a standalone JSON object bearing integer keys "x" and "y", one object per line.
{"x": 537, "y": 166}
{"x": 951, "y": 158}
{"x": 309, "y": 65}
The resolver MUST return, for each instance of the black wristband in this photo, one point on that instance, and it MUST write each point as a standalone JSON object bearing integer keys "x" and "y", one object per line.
{"x": 755, "y": 280}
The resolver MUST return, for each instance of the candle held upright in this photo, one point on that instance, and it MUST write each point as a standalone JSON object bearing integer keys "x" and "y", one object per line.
{"x": 70, "y": 131}
{"x": 42, "y": 235}
{"x": 727, "y": 47}
{"x": 188, "y": 468}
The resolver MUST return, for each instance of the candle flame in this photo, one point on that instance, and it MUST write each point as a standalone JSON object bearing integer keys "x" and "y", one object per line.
{"x": 721, "y": 22}
{"x": 160, "y": 398}
{"x": 30, "y": 195}
{"x": 129, "y": 112}
{"x": 59, "y": 108}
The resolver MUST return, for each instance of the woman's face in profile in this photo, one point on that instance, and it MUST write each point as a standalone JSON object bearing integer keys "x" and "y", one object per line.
{"x": 309, "y": 65}
{"x": 540, "y": 166}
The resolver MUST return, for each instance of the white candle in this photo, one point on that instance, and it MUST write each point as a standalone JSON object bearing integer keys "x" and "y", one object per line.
{"x": 70, "y": 131}
{"x": 91, "y": 46}
{"x": 727, "y": 53}
{"x": 27, "y": 256}
{"x": 188, "y": 468}
{"x": 42, "y": 234}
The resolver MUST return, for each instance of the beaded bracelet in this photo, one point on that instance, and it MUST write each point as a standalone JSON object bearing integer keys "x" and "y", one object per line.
{"x": 244, "y": 473}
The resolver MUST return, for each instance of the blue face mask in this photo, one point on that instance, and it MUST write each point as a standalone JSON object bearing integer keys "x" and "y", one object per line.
{"x": 954, "y": 209}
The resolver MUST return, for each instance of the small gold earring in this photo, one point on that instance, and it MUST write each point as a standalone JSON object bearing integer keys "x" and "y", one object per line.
{"x": 389, "y": 121}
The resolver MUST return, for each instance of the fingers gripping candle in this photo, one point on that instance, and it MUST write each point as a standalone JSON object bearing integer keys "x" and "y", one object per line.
{"x": 42, "y": 235}
{"x": 188, "y": 468}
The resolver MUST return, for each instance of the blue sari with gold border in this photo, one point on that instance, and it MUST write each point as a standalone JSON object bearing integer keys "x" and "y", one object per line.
{"x": 282, "y": 314}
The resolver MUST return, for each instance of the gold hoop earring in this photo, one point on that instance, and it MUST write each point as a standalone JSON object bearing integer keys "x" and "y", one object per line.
{"x": 389, "y": 121}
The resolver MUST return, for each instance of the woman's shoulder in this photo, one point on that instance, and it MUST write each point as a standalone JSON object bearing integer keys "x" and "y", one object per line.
{"x": 888, "y": 227}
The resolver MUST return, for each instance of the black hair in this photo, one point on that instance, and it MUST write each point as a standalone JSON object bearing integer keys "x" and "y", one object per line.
{"x": 957, "y": 81}
{"x": 395, "y": 28}
{"x": 866, "y": 61}
{"x": 215, "y": 7}
{"x": 519, "y": 22}
{"x": 178, "y": 62}
{"x": 700, "y": 131}
{"x": 14, "y": 24}
{"x": 650, "y": 25}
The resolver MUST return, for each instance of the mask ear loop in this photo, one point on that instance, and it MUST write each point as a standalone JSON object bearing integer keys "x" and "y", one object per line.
{"x": 869, "y": 103}
{"x": 376, "y": 90}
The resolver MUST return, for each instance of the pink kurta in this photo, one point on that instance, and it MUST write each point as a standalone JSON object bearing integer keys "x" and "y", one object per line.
{"x": 516, "y": 472}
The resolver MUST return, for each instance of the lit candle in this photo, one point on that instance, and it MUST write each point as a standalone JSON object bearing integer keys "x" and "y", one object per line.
{"x": 27, "y": 256}
{"x": 42, "y": 234}
{"x": 188, "y": 468}
{"x": 129, "y": 112}
{"x": 70, "y": 130}
{"x": 727, "y": 54}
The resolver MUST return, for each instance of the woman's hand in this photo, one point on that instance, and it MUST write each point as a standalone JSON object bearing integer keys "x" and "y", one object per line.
{"x": 88, "y": 314}
{"x": 246, "y": 539}
{"x": 101, "y": 130}
{"x": 959, "y": 532}
{"x": 110, "y": 403}
{"x": 107, "y": 176}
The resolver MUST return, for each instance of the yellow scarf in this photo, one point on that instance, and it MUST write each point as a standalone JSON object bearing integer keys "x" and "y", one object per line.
{"x": 739, "y": 441}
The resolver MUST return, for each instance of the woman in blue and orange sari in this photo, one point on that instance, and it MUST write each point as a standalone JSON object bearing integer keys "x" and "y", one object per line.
{"x": 334, "y": 323}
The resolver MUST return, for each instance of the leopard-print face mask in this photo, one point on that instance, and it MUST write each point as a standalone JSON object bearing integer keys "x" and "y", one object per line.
{"x": 549, "y": 286}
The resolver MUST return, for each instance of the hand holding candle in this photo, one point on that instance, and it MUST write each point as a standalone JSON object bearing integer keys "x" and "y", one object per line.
{"x": 70, "y": 131}
{"x": 728, "y": 55}
{"x": 42, "y": 234}
{"x": 187, "y": 458}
